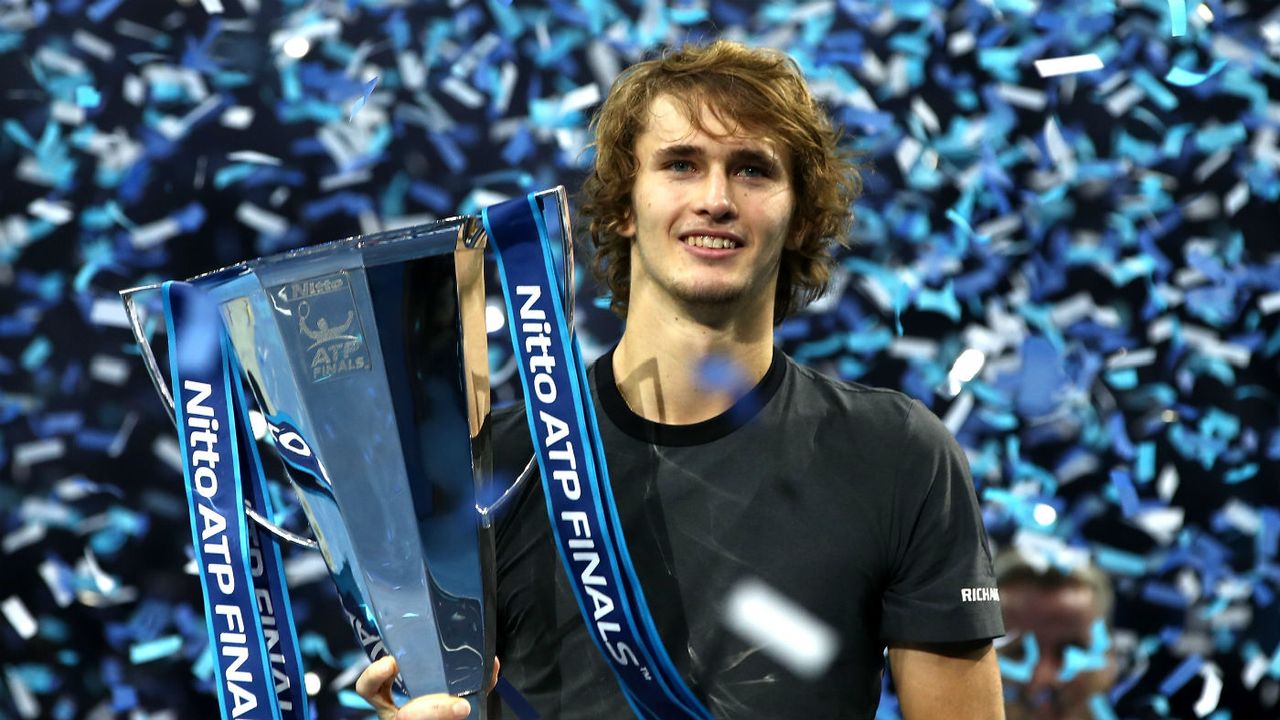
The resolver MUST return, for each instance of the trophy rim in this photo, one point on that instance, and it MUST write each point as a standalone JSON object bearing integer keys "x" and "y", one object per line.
{"x": 475, "y": 238}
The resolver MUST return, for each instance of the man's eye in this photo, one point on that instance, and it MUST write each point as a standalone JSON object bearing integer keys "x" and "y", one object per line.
{"x": 753, "y": 171}
{"x": 680, "y": 166}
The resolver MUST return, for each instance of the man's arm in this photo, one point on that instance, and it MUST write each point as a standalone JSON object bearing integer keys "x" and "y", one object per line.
{"x": 955, "y": 681}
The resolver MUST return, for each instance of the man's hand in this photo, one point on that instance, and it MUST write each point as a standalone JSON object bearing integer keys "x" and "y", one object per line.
{"x": 374, "y": 685}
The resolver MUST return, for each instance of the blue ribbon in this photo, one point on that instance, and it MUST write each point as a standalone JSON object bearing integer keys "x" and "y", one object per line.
{"x": 207, "y": 432}
{"x": 566, "y": 440}
{"x": 271, "y": 592}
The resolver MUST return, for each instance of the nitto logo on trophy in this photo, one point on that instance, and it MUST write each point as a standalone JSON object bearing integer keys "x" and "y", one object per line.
{"x": 329, "y": 340}
{"x": 311, "y": 288}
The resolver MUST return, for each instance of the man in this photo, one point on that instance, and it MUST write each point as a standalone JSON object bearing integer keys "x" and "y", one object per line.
{"x": 1047, "y": 612}
{"x": 716, "y": 193}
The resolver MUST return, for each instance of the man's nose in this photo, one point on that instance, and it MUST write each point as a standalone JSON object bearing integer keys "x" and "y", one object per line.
{"x": 716, "y": 197}
{"x": 1046, "y": 675}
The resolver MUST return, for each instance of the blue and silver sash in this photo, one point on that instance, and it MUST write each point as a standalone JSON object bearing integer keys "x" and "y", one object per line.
{"x": 575, "y": 478}
{"x": 255, "y": 648}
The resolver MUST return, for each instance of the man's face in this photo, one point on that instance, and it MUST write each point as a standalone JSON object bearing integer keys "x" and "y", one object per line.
{"x": 711, "y": 213}
{"x": 1058, "y": 617}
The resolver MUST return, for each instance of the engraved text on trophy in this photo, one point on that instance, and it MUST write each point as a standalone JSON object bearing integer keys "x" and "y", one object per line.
{"x": 328, "y": 333}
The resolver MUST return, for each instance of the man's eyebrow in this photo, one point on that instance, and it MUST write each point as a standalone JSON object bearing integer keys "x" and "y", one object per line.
{"x": 740, "y": 156}
{"x": 675, "y": 152}
{"x": 747, "y": 156}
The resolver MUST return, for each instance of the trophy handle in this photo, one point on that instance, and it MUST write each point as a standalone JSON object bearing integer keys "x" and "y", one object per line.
{"x": 129, "y": 297}
{"x": 560, "y": 197}
{"x": 133, "y": 312}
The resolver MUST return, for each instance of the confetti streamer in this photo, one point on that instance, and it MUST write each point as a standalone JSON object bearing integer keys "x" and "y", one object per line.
{"x": 1178, "y": 17}
{"x": 1069, "y": 65}
{"x": 1190, "y": 78}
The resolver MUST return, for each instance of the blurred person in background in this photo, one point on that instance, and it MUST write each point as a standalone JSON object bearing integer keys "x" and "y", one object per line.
{"x": 1056, "y": 654}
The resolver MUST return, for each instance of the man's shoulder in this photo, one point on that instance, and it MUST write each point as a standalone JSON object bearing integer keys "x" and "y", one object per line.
{"x": 859, "y": 400}
{"x": 902, "y": 421}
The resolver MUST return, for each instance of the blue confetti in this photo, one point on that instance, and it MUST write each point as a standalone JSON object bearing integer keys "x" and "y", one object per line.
{"x": 1181, "y": 675}
{"x": 154, "y": 649}
{"x": 1020, "y": 671}
{"x": 1190, "y": 78}
{"x": 1177, "y": 18}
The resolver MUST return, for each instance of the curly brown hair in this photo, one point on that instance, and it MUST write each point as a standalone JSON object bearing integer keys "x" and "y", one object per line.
{"x": 759, "y": 91}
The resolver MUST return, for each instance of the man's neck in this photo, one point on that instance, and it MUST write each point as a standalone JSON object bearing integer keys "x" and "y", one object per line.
{"x": 674, "y": 369}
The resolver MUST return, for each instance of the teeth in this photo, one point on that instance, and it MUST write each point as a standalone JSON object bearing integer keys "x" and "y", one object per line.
{"x": 707, "y": 241}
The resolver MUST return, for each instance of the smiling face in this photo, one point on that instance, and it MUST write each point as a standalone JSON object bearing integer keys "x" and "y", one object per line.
{"x": 711, "y": 211}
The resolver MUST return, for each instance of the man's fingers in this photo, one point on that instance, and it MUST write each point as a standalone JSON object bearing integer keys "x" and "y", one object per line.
{"x": 497, "y": 668}
{"x": 435, "y": 707}
{"x": 374, "y": 685}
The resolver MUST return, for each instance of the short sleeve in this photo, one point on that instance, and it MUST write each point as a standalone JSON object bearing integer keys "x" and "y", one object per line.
{"x": 941, "y": 586}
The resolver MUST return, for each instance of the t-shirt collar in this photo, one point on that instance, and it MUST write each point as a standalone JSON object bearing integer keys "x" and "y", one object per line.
{"x": 742, "y": 411}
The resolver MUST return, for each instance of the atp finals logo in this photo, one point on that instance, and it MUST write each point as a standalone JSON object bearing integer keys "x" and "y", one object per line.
{"x": 327, "y": 336}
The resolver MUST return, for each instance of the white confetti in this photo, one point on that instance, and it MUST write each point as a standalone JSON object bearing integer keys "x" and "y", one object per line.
{"x": 93, "y": 45}
{"x": 51, "y": 573}
{"x": 1242, "y": 516}
{"x": 959, "y": 412}
{"x": 264, "y": 221}
{"x": 1161, "y": 523}
{"x": 23, "y": 699}
{"x": 921, "y": 109}
{"x": 19, "y": 617}
{"x": 781, "y": 628}
{"x": 580, "y": 98}
{"x": 25, "y": 535}
{"x": 109, "y": 369}
{"x": 122, "y": 435}
{"x": 67, "y": 113}
{"x": 1211, "y": 165}
{"x": 166, "y": 448}
{"x": 145, "y": 237}
{"x": 1131, "y": 359}
{"x": 329, "y": 183}
{"x": 913, "y": 348}
{"x": 54, "y": 213}
{"x": 237, "y": 117}
{"x": 108, "y": 312}
{"x": 961, "y": 42}
{"x": 1254, "y": 670}
{"x": 1122, "y": 101}
{"x": 1236, "y": 197}
{"x": 1058, "y": 148}
{"x": 1071, "y": 64}
{"x": 305, "y": 568}
{"x": 462, "y": 92}
{"x": 1167, "y": 483}
{"x": 412, "y": 71}
{"x": 35, "y": 452}
{"x": 1269, "y": 303}
{"x": 253, "y": 156}
{"x": 907, "y": 153}
{"x": 1212, "y": 689}
{"x": 1022, "y": 97}
{"x": 507, "y": 76}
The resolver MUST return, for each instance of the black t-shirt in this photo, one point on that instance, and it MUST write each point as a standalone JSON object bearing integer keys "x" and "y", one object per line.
{"x": 853, "y": 502}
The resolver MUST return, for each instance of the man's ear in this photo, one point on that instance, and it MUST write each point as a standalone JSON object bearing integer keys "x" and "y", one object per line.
{"x": 627, "y": 228}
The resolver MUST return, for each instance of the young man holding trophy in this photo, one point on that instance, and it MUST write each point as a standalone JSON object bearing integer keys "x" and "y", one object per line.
{"x": 716, "y": 194}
